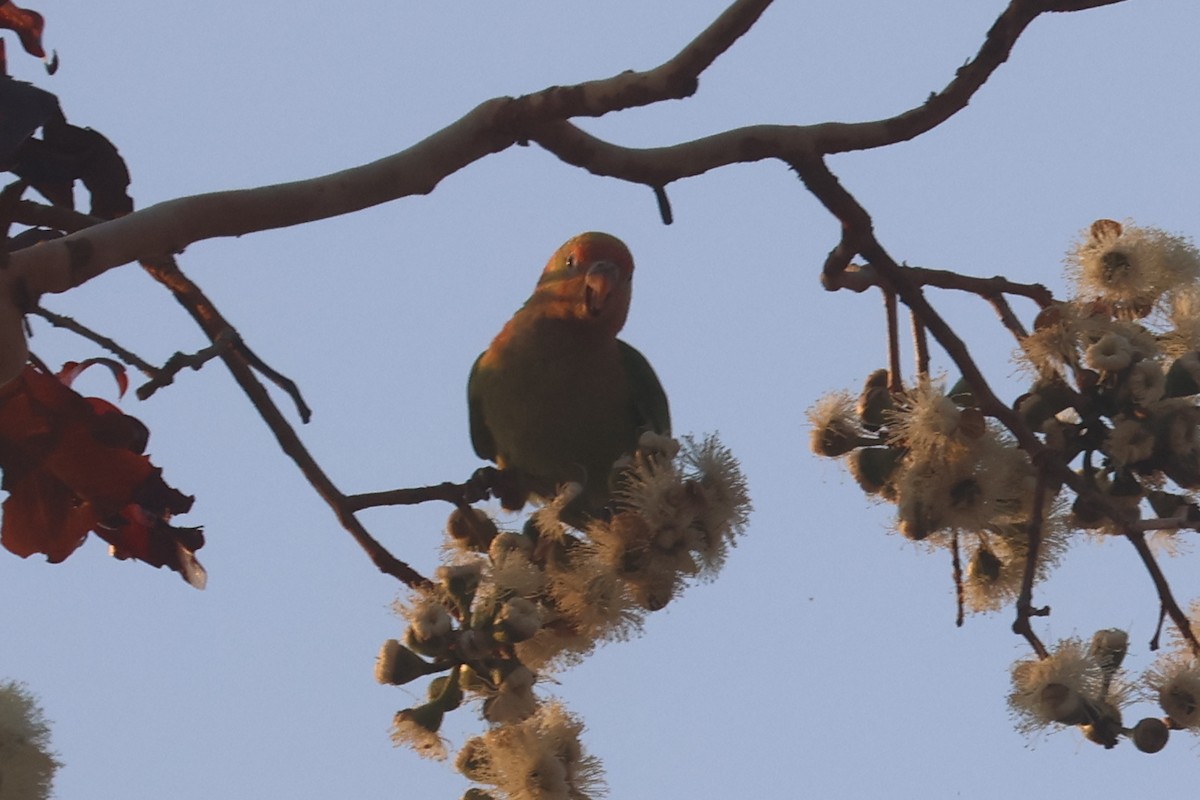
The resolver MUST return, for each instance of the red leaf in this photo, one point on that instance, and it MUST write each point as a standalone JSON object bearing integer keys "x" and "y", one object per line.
{"x": 27, "y": 24}
{"x": 41, "y": 515}
{"x": 73, "y": 369}
{"x": 149, "y": 538}
{"x": 73, "y": 464}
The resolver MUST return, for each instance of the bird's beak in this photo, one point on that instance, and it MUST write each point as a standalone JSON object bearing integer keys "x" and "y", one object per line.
{"x": 599, "y": 284}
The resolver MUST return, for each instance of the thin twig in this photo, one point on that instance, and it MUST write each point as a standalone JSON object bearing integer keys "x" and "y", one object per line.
{"x": 860, "y": 277}
{"x": 1158, "y": 629}
{"x": 242, "y": 364}
{"x": 664, "y": 205}
{"x": 1176, "y": 523}
{"x": 1007, "y": 317}
{"x": 1050, "y": 467}
{"x": 30, "y": 213}
{"x": 286, "y": 384}
{"x": 178, "y": 361}
{"x": 956, "y": 561}
{"x": 78, "y": 328}
{"x": 1025, "y": 608}
{"x": 895, "y": 374}
{"x": 920, "y": 345}
{"x": 1177, "y": 615}
{"x": 190, "y": 296}
{"x": 857, "y": 227}
{"x": 455, "y": 493}
{"x": 486, "y": 482}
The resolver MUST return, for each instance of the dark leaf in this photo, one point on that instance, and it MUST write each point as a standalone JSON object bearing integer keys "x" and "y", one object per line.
{"x": 68, "y": 153}
{"x": 23, "y": 109}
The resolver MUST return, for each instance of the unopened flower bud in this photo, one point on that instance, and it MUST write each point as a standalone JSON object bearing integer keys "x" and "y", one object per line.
{"x": 1105, "y": 229}
{"x": 397, "y": 665}
{"x": 1150, "y": 735}
{"x": 875, "y": 400}
{"x": 518, "y": 620}
{"x": 475, "y": 793}
{"x": 427, "y": 717}
{"x": 471, "y": 528}
{"x": 1109, "y": 647}
{"x": 1183, "y": 376}
{"x": 872, "y": 467}
{"x": 446, "y": 691}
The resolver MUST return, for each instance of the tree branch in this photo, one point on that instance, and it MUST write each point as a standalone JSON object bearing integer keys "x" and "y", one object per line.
{"x": 492, "y": 126}
{"x": 1025, "y": 608}
{"x": 78, "y": 328}
{"x": 190, "y": 296}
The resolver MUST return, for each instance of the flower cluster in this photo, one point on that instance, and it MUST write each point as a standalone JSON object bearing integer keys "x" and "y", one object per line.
{"x": 539, "y": 758}
{"x": 1117, "y": 373}
{"x": 1115, "y": 382}
{"x": 1082, "y": 685}
{"x": 510, "y": 606}
{"x": 957, "y": 480}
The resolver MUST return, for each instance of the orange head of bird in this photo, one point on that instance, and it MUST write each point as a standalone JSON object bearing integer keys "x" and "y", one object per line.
{"x": 589, "y": 278}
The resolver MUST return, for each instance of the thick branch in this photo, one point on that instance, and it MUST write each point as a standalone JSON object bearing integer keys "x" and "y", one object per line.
{"x": 675, "y": 79}
{"x": 492, "y": 126}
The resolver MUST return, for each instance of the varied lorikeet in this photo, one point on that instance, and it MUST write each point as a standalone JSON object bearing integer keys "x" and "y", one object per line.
{"x": 557, "y": 397}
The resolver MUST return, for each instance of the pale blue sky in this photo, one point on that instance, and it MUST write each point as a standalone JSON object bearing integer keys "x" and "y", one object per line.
{"x": 824, "y": 661}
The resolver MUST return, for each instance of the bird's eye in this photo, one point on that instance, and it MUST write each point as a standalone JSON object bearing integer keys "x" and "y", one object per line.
{"x": 570, "y": 264}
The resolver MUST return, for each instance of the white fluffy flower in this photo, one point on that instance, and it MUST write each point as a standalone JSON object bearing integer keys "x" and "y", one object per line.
{"x": 1130, "y": 266}
{"x": 26, "y": 764}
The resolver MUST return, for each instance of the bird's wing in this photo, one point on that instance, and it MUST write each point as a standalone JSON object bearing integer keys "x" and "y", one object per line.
{"x": 481, "y": 437}
{"x": 649, "y": 399}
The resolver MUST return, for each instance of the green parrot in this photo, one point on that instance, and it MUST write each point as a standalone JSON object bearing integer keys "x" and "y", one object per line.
{"x": 557, "y": 397}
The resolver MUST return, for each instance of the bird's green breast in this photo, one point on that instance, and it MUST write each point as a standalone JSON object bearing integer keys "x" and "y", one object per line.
{"x": 557, "y": 402}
